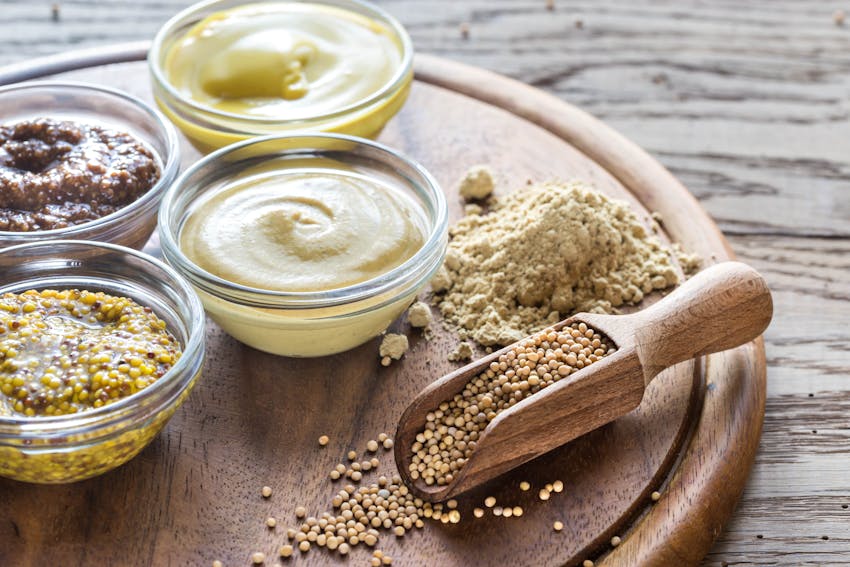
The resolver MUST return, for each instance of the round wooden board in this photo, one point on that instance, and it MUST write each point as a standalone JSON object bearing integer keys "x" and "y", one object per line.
{"x": 254, "y": 419}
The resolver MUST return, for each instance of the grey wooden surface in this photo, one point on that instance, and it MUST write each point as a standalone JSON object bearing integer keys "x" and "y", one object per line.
{"x": 748, "y": 103}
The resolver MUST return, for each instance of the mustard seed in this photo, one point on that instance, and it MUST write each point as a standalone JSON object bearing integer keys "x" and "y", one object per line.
{"x": 497, "y": 511}
{"x": 375, "y": 562}
{"x": 300, "y": 512}
{"x": 258, "y": 558}
{"x": 451, "y": 504}
{"x": 451, "y": 430}
{"x": 387, "y": 560}
{"x": 286, "y": 551}
{"x": 334, "y": 474}
{"x": 266, "y": 491}
{"x": 271, "y": 522}
{"x": 518, "y": 511}
{"x": 615, "y": 541}
{"x": 344, "y": 549}
{"x": 543, "y": 494}
{"x": 558, "y": 526}
{"x": 478, "y": 512}
{"x": 382, "y": 437}
{"x": 352, "y": 455}
{"x": 371, "y": 445}
{"x": 524, "y": 486}
{"x": 356, "y": 476}
{"x": 217, "y": 563}
{"x": 558, "y": 486}
{"x": 304, "y": 546}
{"x": 490, "y": 501}
{"x": 323, "y": 440}
{"x": 656, "y": 496}
{"x": 587, "y": 563}
{"x": 388, "y": 443}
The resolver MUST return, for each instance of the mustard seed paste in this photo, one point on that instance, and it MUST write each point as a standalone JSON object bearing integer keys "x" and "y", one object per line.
{"x": 55, "y": 174}
{"x": 67, "y": 351}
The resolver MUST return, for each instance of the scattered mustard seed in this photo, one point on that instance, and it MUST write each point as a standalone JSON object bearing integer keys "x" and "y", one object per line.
{"x": 478, "y": 512}
{"x": 388, "y": 444}
{"x": 558, "y": 526}
{"x": 323, "y": 440}
{"x": 286, "y": 551}
{"x": 300, "y": 512}
{"x": 217, "y": 563}
{"x": 587, "y": 563}
{"x": 258, "y": 558}
{"x": 372, "y": 446}
{"x": 518, "y": 511}
{"x": 271, "y": 522}
{"x": 304, "y": 546}
{"x": 266, "y": 491}
{"x": 497, "y": 511}
{"x": 375, "y": 562}
{"x": 352, "y": 455}
{"x": 558, "y": 486}
{"x": 507, "y": 512}
{"x": 656, "y": 496}
{"x": 344, "y": 549}
{"x": 382, "y": 437}
{"x": 490, "y": 501}
{"x": 615, "y": 541}
{"x": 543, "y": 494}
{"x": 524, "y": 486}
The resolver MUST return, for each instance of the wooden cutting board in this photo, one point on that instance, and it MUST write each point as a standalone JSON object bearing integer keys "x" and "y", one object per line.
{"x": 193, "y": 495}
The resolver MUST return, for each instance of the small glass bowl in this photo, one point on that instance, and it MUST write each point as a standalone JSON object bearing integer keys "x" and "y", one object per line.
{"x": 209, "y": 129}
{"x": 90, "y": 104}
{"x": 76, "y": 446}
{"x": 307, "y": 323}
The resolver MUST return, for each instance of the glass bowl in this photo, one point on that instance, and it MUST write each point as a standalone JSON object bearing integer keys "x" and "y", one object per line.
{"x": 209, "y": 129}
{"x": 132, "y": 225}
{"x": 67, "y": 448}
{"x": 308, "y": 323}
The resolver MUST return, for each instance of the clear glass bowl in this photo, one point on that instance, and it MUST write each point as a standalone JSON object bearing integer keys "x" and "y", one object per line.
{"x": 209, "y": 129}
{"x": 73, "y": 447}
{"x": 308, "y": 323}
{"x": 132, "y": 225}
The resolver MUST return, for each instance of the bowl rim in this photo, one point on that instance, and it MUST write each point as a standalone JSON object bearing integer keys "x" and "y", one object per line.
{"x": 170, "y": 164}
{"x": 394, "y": 84}
{"x": 97, "y": 417}
{"x": 388, "y": 282}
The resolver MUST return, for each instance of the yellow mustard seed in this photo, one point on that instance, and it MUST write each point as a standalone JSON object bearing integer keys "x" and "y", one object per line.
{"x": 217, "y": 563}
{"x": 587, "y": 563}
{"x": 352, "y": 455}
{"x": 304, "y": 546}
{"x": 382, "y": 437}
{"x": 371, "y": 445}
{"x": 558, "y": 526}
{"x": 478, "y": 512}
{"x": 286, "y": 551}
{"x": 271, "y": 522}
{"x": 266, "y": 491}
{"x": 507, "y": 512}
{"x": 323, "y": 440}
{"x": 558, "y": 486}
{"x": 615, "y": 541}
{"x": 656, "y": 496}
{"x": 300, "y": 512}
{"x": 375, "y": 562}
{"x": 258, "y": 558}
{"x": 524, "y": 486}
{"x": 387, "y": 560}
{"x": 543, "y": 494}
{"x": 518, "y": 511}
{"x": 344, "y": 548}
{"x": 490, "y": 501}
{"x": 388, "y": 444}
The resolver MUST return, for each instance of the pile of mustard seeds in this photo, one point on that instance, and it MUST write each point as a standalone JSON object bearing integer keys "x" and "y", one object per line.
{"x": 541, "y": 254}
{"x": 451, "y": 431}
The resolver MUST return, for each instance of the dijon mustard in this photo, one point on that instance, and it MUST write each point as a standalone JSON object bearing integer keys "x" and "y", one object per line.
{"x": 303, "y": 230}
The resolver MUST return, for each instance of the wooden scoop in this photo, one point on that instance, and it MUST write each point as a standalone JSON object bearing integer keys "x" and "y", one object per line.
{"x": 722, "y": 307}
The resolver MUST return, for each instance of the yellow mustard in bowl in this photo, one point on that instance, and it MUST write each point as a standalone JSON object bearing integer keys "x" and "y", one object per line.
{"x": 224, "y": 71}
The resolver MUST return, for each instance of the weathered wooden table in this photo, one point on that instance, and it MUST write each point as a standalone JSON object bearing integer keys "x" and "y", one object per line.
{"x": 748, "y": 103}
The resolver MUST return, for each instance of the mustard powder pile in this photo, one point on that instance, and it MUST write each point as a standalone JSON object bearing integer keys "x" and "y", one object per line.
{"x": 541, "y": 254}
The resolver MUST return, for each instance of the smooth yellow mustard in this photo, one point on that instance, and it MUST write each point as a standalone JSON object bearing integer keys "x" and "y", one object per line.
{"x": 303, "y": 230}
{"x": 283, "y": 60}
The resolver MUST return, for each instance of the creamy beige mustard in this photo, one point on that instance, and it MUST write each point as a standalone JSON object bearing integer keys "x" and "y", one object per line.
{"x": 283, "y": 60}
{"x": 302, "y": 230}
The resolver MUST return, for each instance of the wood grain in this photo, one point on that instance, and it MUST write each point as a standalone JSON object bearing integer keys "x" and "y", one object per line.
{"x": 746, "y": 102}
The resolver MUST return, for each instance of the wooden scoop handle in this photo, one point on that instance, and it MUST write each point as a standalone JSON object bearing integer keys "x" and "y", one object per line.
{"x": 720, "y": 308}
